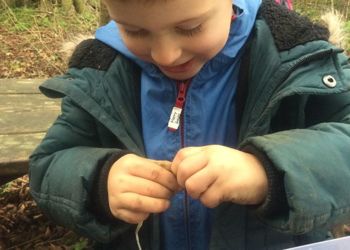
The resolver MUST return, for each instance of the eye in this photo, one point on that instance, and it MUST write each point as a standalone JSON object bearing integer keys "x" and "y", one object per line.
{"x": 190, "y": 32}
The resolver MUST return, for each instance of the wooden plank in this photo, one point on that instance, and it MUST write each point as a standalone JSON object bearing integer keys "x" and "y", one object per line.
{"x": 15, "y": 151}
{"x": 26, "y": 86}
{"x": 17, "y": 148}
{"x": 14, "y": 169}
{"x": 4, "y": 180}
{"x": 25, "y": 116}
{"x": 25, "y": 113}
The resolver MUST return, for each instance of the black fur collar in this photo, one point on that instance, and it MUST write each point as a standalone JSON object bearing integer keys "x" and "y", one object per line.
{"x": 288, "y": 27}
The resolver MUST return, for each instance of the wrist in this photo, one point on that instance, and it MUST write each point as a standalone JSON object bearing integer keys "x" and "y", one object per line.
{"x": 275, "y": 201}
{"x": 261, "y": 182}
{"x": 100, "y": 192}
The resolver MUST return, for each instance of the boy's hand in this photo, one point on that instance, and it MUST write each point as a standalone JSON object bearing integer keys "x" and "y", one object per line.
{"x": 138, "y": 186}
{"x": 215, "y": 174}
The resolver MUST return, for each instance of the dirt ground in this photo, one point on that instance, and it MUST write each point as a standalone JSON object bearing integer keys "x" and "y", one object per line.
{"x": 30, "y": 54}
{"x": 23, "y": 226}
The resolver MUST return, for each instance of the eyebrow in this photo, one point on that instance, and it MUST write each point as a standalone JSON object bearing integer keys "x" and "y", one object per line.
{"x": 201, "y": 17}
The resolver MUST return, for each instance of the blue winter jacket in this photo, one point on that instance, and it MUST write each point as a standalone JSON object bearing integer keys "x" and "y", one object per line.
{"x": 207, "y": 118}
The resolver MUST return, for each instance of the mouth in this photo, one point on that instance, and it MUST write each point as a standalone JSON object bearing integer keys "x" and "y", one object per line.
{"x": 178, "y": 68}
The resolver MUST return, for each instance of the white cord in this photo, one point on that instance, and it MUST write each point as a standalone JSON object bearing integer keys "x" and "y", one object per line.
{"x": 137, "y": 235}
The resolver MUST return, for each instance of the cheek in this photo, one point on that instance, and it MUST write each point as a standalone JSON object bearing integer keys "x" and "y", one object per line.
{"x": 209, "y": 46}
{"x": 212, "y": 41}
{"x": 138, "y": 47}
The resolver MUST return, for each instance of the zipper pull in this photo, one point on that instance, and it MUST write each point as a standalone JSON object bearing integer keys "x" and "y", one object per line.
{"x": 175, "y": 116}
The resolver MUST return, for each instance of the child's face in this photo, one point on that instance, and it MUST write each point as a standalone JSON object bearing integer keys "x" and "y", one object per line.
{"x": 178, "y": 36}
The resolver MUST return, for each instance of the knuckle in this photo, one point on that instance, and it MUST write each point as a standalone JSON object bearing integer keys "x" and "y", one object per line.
{"x": 208, "y": 202}
{"x": 181, "y": 154}
{"x": 133, "y": 168}
{"x": 155, "y": 173}
{"x": 125, "y": 160}
{"x": 136, "y": 203}
{"x": 171, "y": 182}
{"x": 162, "y": 205}
{"x": 190, "y": 187}
{"x": 182, "y": 169}
{"x": 165, "y": 193}
{"x": 155, "y": 191}
{"x": 183, "y": 172}
{"x": 149, "y": 191}
{"x": 121, "y": 181}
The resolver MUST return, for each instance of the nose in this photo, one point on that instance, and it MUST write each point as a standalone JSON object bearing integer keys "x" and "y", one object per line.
{"x": 165, "y": 52}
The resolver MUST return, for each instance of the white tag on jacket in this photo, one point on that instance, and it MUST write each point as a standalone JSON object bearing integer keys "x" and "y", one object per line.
{"x": 174, "y": 121}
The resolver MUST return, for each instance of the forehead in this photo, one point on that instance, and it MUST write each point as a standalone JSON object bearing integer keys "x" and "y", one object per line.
{"x": 158, "y": 11}
{"x": 144, "y": 3}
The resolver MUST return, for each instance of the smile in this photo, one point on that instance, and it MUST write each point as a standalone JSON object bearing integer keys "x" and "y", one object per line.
{"x": 179, "y": 68}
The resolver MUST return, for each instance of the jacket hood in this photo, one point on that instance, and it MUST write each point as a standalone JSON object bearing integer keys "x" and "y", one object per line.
{"x": 246, "y": 12}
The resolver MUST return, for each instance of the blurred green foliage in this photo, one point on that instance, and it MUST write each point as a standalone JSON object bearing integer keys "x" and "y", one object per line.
{"x": 25, "y": 18}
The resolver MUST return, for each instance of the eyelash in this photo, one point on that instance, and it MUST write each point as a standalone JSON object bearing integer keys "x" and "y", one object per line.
{"x": 143, "y": 33}
{"x": 190, "y": 32}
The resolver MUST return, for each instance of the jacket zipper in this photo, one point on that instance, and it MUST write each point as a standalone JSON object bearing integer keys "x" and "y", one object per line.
{"x": 176, "y": 117}
{"x": 177, "y": 120}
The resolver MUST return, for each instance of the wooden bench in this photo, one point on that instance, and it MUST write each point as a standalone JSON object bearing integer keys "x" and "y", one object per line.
{"x": 25, "y": 116}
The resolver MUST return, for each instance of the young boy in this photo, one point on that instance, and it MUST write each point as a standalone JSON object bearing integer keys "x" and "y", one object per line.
{"x": 210, "y": 124}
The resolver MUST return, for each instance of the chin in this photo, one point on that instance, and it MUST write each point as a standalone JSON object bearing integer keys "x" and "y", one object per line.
{"x": 183, "y": 75}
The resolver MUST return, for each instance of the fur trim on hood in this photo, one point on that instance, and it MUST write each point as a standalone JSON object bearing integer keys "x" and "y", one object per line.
{"x": 335, "y": 23}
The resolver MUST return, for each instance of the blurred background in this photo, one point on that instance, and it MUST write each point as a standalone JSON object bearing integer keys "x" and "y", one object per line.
{"x": 32, "y": 32}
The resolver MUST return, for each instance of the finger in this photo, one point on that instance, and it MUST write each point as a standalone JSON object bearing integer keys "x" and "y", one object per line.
{"x": 200, "y": 182}
{"x": 163, "y": 164}
{"x": 167, "y": 165}
{"x": 181, "y": 155}
{"x": 129, "y": 216}
{"x": 190, "y": 166}
{"x": 144, "y": 187}
{"x": 141, "y": 203}
{"x": 156, "y": 173}
{"x": 211, "y": 197}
